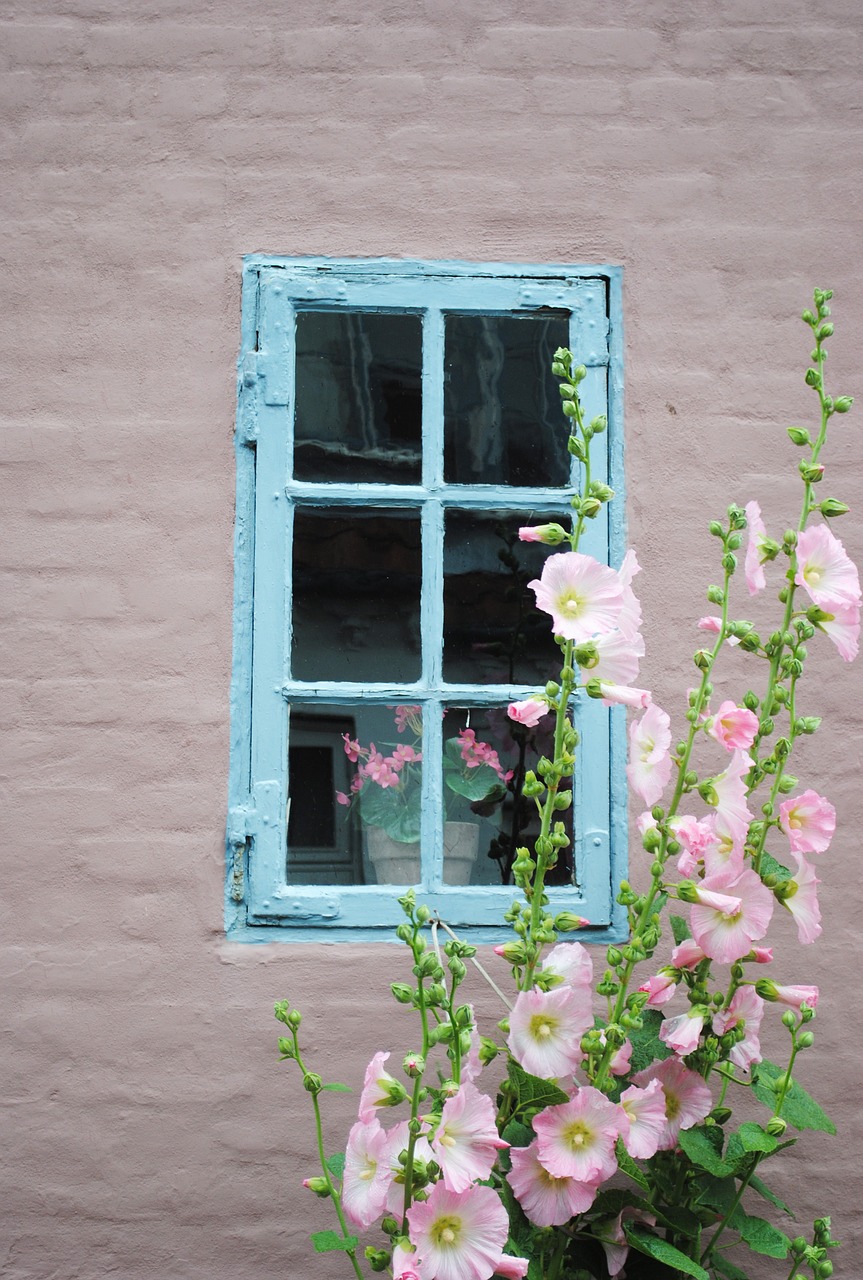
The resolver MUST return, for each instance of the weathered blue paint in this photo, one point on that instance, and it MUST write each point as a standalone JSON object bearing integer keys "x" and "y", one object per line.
{"x": 260, "y": 905}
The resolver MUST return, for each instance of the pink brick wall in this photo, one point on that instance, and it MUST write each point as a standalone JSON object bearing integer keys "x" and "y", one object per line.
{"x": 714, "y": 150}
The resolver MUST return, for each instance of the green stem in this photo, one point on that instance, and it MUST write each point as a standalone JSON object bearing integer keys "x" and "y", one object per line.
{"x": 415, "y": 1103}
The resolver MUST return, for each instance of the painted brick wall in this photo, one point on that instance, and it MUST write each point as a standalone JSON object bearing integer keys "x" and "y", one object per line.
{"x": 714, "y": 150}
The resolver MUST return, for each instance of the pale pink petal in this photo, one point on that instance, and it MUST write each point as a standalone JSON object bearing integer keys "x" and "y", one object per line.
{"x": 375, "y": 1092}
{"x": 809, "y": 821}
{"x": 546, "y": 1200}
{"x": 618, "y": 695}
{"x": 458, "y": 1235}
{"x": 792, "y": 996}
{"x": 753, "y": 565}
{"x": 732, "y": 912}
{"x": 687, "y": 954}
{"x": 682, "y": 1032}
{"x": 617, "y": 658}
{"x": 660, "y": 989}
{"x": 687, "y": 1097}
{"x": 649, "y": 765}
{"x": 582, "y": 596}
{"x": 367, "y": 1175}
{"x": 746, "y": 1008}
{"x": 576, "y": 1138}
{"x": 528, "y": 712}
{"x": 645, "y": 1109}
{"x": 570, "y": 961}
{"x": 824, "y": 569}
{"x": 466, "y": 1142}
{"x": 803, "y": 902}
{"x": 546, "y": 1029}
{"x": 735, "y": 727}
{"x": 842, "y": 625}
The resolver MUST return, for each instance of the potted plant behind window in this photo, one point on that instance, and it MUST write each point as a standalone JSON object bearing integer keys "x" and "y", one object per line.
{"x": 386, "y": 790}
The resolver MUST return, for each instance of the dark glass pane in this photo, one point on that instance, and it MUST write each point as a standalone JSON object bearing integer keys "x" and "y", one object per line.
{"x": 493, "y": 632}
{"x": 486, "y": 755}
{"x": 502, "y": 418}
{"x": 356, "y": 606}
{"x": 355, "y": 786}
{"x": 358, "y": 398}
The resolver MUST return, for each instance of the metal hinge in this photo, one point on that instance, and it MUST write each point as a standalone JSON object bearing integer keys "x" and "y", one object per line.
{"x": 240, "y": 828}
{"x": 247, "y": 415}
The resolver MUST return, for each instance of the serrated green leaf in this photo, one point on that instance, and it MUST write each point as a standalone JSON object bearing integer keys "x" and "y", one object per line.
{"x": 701, "y": 1151}
{"x": 679, "y": 929}
{"x": 335, "y": 1087}
{"x": 518, "y": 1134}
{"x": 752, "y": 1137}
{"x": 329, "y": 1242}
{"x": 717, "y": 1193}
{"x": 647, "y": 1047}
{"x": 663, "y": 1252}
{"x": 627, "y": 1165}
{"x": 680, "y": 1220}
{"x": 763, "y": 1190}
{"x": 608, "y": 1204}
{"x": 336, "y": 1164}
{"x": 532, "y": 1093}
{"x": 799, "y": 1109}
{"x": 770, "y": 867}
{"x": 725, "y": 1268}
{"x": 760, "y": 1235}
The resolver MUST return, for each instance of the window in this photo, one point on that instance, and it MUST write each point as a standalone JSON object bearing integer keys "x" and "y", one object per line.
{"x": 397, "y": 422}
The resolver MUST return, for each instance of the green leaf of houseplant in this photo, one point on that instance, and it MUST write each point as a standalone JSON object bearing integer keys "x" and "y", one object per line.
{"x": 799, "y": 1109}
{"x": 663, "y": 1252}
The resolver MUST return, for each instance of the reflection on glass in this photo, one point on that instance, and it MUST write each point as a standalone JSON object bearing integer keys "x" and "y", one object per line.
{"x": 355, "y": 786}
{"x": 356, "y": 603}
{"x": 358, "y": 399}
{"x": 486, "y": 756}
{"x": 493, "y": 632}
{"x": 502, "y": 418}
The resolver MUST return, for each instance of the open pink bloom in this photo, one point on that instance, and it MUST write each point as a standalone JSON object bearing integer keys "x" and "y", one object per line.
{"x": 376, "y": 1091}
{"x": 629, "y": 620}
{"x": 645, "y": 1110}
{"x": 617, "y": 658}
{"x": 660, "y": 988}
{"x": 466, "y": 1142}
{"x": 687, "y": 1097}
{"x": 649, "y": 765}
{"x": 698, "y": 838}
{"x": 793, "y": 996}
{"x": 612, "y": 1237}
{"x": 619, "y": 695}
{"x": 682, "y": 1033}
{"x": 687, "y": 954}
{"x": 802, "y": 902}
{"x": 731, "y": 913}
{"x": 545, "y": 1030}
{"x": 509, "y": 1268}
{"x": 809, "y": 821}
{"x": 397, "y": 1141}
{"x": 571, "y": 962}
{"x": 548, "y": 1201}
{"x": 753, "y": 565}
{"x": 746, "y": 1009}
{"x": 825, "y": 570}
{"x": 409, "y": 718}
{"x": 576, "y": 1138}
{"x": 528, "y": 712}
{"x": 458, "y": 1235}
{"x": 729, "y": 795}
{"x": 735, "y": 727}
{"x": 404, "y": 1264}
{"x": 367, "y": 1174}
{"x": 842, "y": 625}
{"x": 583, "y": 596}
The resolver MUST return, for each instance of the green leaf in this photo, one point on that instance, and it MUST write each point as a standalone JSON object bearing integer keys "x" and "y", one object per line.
{"x": 336, "y": 1164}
{"x": 725, "y": 1268}
{"x": 329, "y": 1242}
{"x": 798, "y": 1108}
{"x": 518, "y": 1134}
{"x": 770, "y": 867}
{"x": 679, "y": 929}
{"x": 760, "y": 1235}
{"x": 663, "y": 1252}
{"x": 749, "y": 1137}
{"x": 717, "y": 1193}
{"x": 532, "y": 1093}
{"x": 396, "y": 812}
{"x": 335, "y": 1087}
{"x": 763, "y": 1190}
{"x": 608, "y": 1204}
{"x": 680, "y": 1220}
{"x": 627, "y": 1165}
{"x": 702, "y": 1151}
{"x": 647, "y": 1047}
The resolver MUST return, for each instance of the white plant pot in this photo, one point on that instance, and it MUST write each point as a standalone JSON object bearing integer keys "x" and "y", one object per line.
{"x": 398, "y": 863}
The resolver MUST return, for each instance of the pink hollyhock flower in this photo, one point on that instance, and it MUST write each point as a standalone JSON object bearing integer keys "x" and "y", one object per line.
{"x": 731, "y": 912}
{"x": 548, "y": 1201}
{"x": 714, "y": 624}
{"x": 397, "y": 1141}
{"x": 528, "y": 712}
{"x": 761, "y": 955}
{"x": 645, "y": 1110}
{"x": 735, "y": 727}
{"x": 824, "y": 569}
{"x": 746, "y": 1009}
{"x": 552, "y": 535}
{"x": 682, "y": 1033}
{"x": 629, "y": 620}
{"x": 687, "y": 1097}
{"x": 376, "y": 1088}
{"x": 509, "y": 1268}
{"x": 576, "y": 1138}
{"x": 617, "y": 658}
{"x": 809, "y": 821}
{"x": 793, "y": 996}
{"x": 753, "y": 565}
{"x": 571, "y": 962}
{"x": 698, "y": 839}
{"x": 802, "y": 901}
{"x": 612, "y": 1237}
{"x": 546, "y": 1029}
{"x": 404, "y": 1264}
{"x": 842, "y": 624}
{"x": 466, "y": 1142}
{"x": 729, "y": 796}
{"x": 583, "y": 596}
{"x": 619, "y": 695}
{"x": 649, "y": 765}
{"x": 660, "y": 988}
{"x": 687, "y": 954}
{"x": 367, "y": 1175}
{"x": 459, "y": 1235}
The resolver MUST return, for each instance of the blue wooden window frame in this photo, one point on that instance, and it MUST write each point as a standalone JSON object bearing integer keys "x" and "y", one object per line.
{"x": 260, "y": 904}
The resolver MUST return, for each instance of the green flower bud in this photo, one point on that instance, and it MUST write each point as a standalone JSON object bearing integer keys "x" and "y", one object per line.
{"x": 579, "y": 373}
{"x": 488, "y": 1050}
{"x": 590, "y": 508}
{"x": 280, "y": 1010}
{"x": 832, "y": 507}
{"x": 842, "y": 404}
{"x": 568, "y": 922}
{"x": 570, "y": 408}
{"x": 413, "y": 1065}
{"x": 806, "y": 1040}
{"x": 598, "y": 425}
{"x": 702, "y": 659}
{"x": 799, "y": 436}
{"x": 813, "y": 378}
{"x": 808, "y": 317}
{"x": 576, "y": 448}
{"x": 716, "y": 529}
{"x": 824, "y": 331}
{"x": 811, "y": 471}
{"x": 687, "y": 891}
{"x": 776, "y": 1126}
{"x": 403, "y": 993}
{"x": 286, "y": 1048}
{"x": 312, "y": 1083}
{"x": 318, "y": 1185}
{"x": 567, "y": 391}
{"x": 729, "y": 562}
{"x": 715, "y": 594}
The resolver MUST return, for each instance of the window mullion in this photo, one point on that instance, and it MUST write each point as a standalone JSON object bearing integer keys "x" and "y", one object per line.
{"x": 431, "y": 603}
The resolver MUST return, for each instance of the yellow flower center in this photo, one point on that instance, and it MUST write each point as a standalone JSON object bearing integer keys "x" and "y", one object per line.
{"x": 445, "y": 1231}
{"x": 542, "y": 1026}
{"x": 569, "y": 604}
{"x": 577, "y": 1134}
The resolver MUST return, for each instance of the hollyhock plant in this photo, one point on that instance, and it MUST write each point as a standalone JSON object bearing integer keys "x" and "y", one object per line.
{"x": 607, "y": 1139}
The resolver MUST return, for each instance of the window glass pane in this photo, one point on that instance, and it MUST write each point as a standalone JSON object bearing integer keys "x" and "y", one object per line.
{"x": 358, "y": 397}
{"x": 493, "y": 632}
{"x": 356, "y": 607}
{"x": 485, "y": 759}
{"x": 502, "y": 418}
{"x": 355, "y": 785}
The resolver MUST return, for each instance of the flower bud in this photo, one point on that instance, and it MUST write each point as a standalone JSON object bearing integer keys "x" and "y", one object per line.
{"x": 842, "y": 404}
{"x": 488, "y": 1050}
{"x": 808, "y": 317}
{"x": 567, "y": 391}
{"x": 286, "y": 1048}
{"x": 403, "y": 993}
{"x": 776, "y": 1126}
{"x": 806, "y": 1040}
{"x": 716, "y": 529}
{"x": 579, "y": 373}
{"x": 687, "y": 892}
{"x": 413, "y": 1065}
{"x": 729, "y": 562}
{"x": 832, "y": 507}
{"x": 598, "y": 424}
{"x": 318, "y": 1185}
{"x": 799, "y": 436}
{"x": 378, "y": 1259}
{"x": 813, "y": 378}
{"x": 458, "y": 969}
{"x": 590, "y": 508}
{"x": 568, "y": 922}
{"x": 280, "y": 1010}
{"x": 312, "y": 1083}
{"x": 576, "y": 448}
{"x": 702, "y": 659}
{"x": 811, "y": 471}
{"x": 824, "y": 331}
